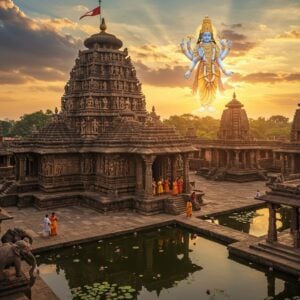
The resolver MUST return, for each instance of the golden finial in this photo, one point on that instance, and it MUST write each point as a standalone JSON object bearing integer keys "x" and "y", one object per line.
{"x": 103, "y": 26}
{"x": 234, "y": 95}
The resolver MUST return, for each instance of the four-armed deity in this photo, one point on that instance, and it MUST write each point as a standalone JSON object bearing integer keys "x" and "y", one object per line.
{"x": 209, "y": 56}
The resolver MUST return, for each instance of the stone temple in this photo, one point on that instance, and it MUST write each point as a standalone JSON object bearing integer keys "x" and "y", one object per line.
{"x": 236, "y": 156}
{"x": 103, "y": 149}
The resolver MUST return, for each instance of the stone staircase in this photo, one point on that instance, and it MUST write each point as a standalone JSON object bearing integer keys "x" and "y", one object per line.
{"x": 6, "y": 187}
{"x": 175, "y": 205}
{"x": 279, "y": 250}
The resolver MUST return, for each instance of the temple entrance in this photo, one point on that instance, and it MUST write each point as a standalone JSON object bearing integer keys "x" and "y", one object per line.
{"x": 161, "y": 168}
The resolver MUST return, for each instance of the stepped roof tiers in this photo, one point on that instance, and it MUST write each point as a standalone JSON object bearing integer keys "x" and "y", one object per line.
{"x": 103, "y": 149}
{"x": 234, "y": 156}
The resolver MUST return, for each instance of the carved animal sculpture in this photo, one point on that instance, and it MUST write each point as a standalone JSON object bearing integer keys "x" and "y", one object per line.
{"x": 12, "y": 254}
{"x": 14, "y": 235}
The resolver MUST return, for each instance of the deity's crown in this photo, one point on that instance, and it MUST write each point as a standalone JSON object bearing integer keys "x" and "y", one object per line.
{"x": 206, "y": 25}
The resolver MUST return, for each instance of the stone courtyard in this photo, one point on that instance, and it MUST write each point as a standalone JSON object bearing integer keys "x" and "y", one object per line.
{"x": 80, "y": 224}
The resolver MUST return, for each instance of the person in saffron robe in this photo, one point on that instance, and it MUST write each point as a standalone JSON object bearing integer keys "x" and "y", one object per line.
{"x": 189, "y": 208}
{"x": 180, "y": 185}
{"x": 167, "y": 186}
{"x": 53, "y": 220}
{"x": 154, "y": 187}
{"x": 175, "y": 188}
{"x": 160, "y": 189}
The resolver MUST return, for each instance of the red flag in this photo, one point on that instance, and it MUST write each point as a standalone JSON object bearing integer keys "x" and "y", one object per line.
{"x": 91, "y": 13}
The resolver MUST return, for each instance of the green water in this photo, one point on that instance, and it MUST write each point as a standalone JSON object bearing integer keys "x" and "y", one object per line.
{"x": 167, "y": 263}
{"x": 253, "y": 221}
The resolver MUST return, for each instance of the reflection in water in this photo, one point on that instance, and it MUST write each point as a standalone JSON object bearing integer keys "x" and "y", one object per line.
{"x": 254, "y": 221}
{"x": 169, "y": 263}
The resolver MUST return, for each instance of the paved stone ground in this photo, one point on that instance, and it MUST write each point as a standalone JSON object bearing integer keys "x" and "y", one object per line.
{"x": 80, "y": 223}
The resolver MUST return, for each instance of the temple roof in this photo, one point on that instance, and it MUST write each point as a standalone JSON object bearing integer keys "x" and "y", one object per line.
{"x": 103, "y": 39}
{"x": 56, "y": 132}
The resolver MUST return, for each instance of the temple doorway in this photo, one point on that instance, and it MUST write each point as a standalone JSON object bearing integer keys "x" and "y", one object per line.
{"x": 161, "y": 168}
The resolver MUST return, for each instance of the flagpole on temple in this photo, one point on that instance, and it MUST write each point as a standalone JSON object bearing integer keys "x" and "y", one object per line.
{"x": 100, "y": 12}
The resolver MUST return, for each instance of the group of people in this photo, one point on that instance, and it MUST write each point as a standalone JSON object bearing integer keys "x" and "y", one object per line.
{"x": 163, "y": 186}
{"x": 50, "y": 225}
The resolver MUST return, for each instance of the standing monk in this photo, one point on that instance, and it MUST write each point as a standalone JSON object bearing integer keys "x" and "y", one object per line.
{"x": 167, "y": 186}
{"x": 160, "y": 188}
{"x": 53, "y": 220}
{"x": 175, "y": 188}
{"x": 189, "y": 208}
{"x": 180, "y": 185}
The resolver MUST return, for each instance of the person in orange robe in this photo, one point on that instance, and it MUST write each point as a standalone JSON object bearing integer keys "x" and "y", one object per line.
{"x": 180, "y": 185}
{"x": 175, "y": 188}
{"x": 53, "y": 220}
{"x": 189, "y": 208}
{"x": 167, "y": 186}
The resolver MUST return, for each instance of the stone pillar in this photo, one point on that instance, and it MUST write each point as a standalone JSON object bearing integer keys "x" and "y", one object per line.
{"x": 258, "y": 159}
{"x": 139, "y": 176}
{"x": 174, "y": 167}
{"x": 272, "y": 231}
{"x": 236, "y": 158}
{"x": 148, "y": 161}
{"x": 282, "y": 163}
{"x": 295, "y": 227}
{"x": 227, "y": 159}
{"x": 186, "y": 169}
{"x": 22, "y": 163}
{"x": 252, "y": 159}
{"x": 292, "y": 160}
{"x": 217, "y": 158}
{"x": 245, "y": 159}
{"x": 208, "y": 156}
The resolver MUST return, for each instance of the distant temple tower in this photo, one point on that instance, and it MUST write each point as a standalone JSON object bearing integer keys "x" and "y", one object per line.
{"x": 295, "y": 132}
{"x": 234, "y": 122}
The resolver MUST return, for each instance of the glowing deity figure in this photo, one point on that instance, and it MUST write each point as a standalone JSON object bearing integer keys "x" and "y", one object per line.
{"x": 209, "y": 57}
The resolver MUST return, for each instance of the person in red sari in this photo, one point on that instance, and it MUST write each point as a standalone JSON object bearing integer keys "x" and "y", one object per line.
{"x": 53, "y": 220}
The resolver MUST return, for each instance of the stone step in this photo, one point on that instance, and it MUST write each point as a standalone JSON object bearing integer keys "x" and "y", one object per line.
{"x": 276, "y": 252}
{"x": 282, "y": 248}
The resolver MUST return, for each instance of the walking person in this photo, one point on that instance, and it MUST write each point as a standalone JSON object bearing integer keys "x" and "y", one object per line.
{"x": 46, "y": 226}
{"x": 53, "y": 220}
{"x": 189, "y": 208}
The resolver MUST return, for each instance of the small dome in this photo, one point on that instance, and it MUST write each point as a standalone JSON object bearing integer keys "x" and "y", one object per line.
{"x": 103, "y": 39}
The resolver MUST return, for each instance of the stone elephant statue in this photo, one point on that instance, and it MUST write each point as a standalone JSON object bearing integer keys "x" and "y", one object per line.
{"x": 14, "y": 235}
{"x": 12, "y": 254}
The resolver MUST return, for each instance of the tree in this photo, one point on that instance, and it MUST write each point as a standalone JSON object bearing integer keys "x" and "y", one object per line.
{"x": 26, "y": 123}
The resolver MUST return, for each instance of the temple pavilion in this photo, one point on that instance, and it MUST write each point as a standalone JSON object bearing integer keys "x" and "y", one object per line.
{"x": 103, "y": 149}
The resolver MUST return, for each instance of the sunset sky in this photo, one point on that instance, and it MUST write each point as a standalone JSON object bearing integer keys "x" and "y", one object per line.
{"x": 40, "y": 39}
